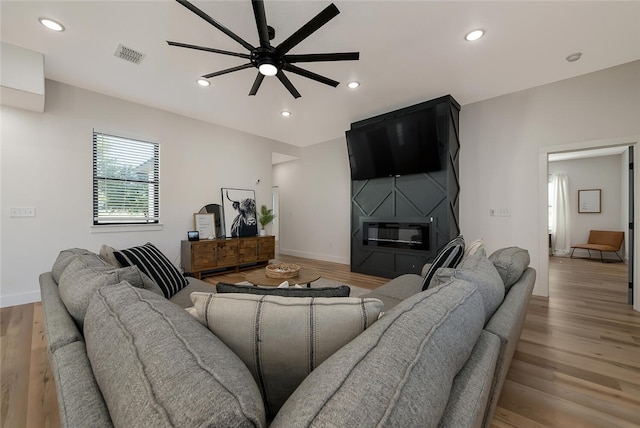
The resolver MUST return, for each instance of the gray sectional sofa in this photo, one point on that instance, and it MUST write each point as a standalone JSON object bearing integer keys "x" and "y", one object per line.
{"x": 433, "y": 358}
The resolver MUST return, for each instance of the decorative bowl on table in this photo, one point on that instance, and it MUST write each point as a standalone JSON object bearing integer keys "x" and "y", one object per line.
{"x": 282, "y": 270}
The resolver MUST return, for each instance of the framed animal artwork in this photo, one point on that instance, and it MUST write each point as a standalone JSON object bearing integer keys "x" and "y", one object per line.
{"x": 239, "y": 206}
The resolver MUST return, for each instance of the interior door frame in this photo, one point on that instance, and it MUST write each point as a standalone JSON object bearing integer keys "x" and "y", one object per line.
{"x": 543, "y": 210}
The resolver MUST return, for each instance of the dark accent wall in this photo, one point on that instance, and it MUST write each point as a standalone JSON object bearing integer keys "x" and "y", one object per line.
{"x": 432, "y": 197}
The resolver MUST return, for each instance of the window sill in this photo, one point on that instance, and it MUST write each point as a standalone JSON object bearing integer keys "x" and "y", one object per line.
{"x": 116, "y": 228}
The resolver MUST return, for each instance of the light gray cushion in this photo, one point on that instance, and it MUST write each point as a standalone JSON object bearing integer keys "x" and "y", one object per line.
{"x": 80, "y": 280}
{"x": 510, "y": 262}
{"x": 479, "y": 270}
{"x": 157, "y": 366}
{"x": 282, "y": 339}
{"x": 183, "y": 297}
{"x": 398, "y": 372}
{"x": 476, "y": 246}
{"x": 108, "y": 253}
{"x": 66, "y": 256}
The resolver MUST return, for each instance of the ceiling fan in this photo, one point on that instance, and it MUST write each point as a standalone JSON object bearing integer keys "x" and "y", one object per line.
{"x": 270, "y": 60}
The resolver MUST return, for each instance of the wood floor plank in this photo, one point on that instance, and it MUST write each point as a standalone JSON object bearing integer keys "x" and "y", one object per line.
{"x": 577, "y": 363}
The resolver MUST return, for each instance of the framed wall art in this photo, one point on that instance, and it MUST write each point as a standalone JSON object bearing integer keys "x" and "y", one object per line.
{"x": 205, "y": 224}
{"x": 239, "y": 208}
{"x": 589, "y": 200}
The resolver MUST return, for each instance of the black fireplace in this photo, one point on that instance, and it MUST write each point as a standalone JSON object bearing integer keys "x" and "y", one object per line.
{"x": 395, "y": 234}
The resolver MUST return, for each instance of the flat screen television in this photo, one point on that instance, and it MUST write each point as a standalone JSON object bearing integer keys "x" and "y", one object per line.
{"x": 402, "y": 145}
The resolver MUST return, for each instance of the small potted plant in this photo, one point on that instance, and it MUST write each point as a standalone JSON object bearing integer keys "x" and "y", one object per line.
{"x": 266, "y": 216}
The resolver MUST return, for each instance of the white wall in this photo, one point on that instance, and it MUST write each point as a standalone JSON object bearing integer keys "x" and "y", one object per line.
{"x": 315, "y": 194}
{"x": 46, "y": 163}
{"x": 502, "y": 139}
{"x": 602, "y": 173}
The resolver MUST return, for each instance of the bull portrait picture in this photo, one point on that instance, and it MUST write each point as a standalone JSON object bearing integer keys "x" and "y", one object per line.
{"x": 240, "y": 212}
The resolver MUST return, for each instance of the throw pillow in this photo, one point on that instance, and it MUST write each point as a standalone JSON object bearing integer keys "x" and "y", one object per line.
{"x": 342, "y": 291}
{"x": 156, "y": 265}
{"x": 475, "y": 247}
{"x": 511, "y": 263}
{"x": 108, "y": 253}
{"x": 282, "y": 339}
{"x": 478, "y": 270}
{"x": 448, "y": 257}
{"x": 81, "y": 279}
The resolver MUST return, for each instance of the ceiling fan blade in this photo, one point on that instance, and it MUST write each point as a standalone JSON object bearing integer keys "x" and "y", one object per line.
{"x": 307, "y": 29}
{"x": 216, "y": 24}
{"x": 310, "y": 75}
{"x": 287, "y": 84}
{"x": 202, "y": 48}
{"x": 261, "y": 22}
{"x": 228, "y": 70}
{"x": 341, "y": 56}
{"x": 256, "y": 84}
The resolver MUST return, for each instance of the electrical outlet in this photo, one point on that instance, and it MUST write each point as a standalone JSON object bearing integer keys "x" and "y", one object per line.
{"x": 22, "y": 212}
{"x": 500, "y": 212}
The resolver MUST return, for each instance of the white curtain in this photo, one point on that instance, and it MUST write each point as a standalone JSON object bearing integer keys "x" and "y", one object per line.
{"x": 561, "y": 214}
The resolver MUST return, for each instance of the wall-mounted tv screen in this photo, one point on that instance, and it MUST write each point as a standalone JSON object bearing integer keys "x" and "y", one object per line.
{"x": 401, "y": 145}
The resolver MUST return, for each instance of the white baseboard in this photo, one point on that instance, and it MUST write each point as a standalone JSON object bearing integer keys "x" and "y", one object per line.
{"x": 315, "y": 256}
{"x": 19, "y": 299}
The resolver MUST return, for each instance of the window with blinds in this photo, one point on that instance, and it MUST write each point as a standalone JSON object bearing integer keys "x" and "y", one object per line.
{"x": 126, "y": 180}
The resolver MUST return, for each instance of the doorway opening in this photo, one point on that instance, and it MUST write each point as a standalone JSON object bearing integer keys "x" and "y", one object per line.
{"x": 625, "y": 210}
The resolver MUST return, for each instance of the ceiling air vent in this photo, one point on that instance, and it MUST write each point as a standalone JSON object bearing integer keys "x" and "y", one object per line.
{"x": 129, "y": 54}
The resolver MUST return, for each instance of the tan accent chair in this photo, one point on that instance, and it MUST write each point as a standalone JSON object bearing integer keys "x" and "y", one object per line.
{"x": 602, "y": 240}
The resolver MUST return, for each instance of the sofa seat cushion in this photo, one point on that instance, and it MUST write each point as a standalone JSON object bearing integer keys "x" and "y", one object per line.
{"x": 396, "y": 290}
{"x": 157, "y": 366}
{"x": 341, "y": 291}
{"x": 448, "y": 257}
{"x": 479, "y": 270}
{"x": 155, "y": 265}
{"x": 399, "y": 372}
{"x": 183, "y": 297}
{"x": 81, "y": 279}
{"x": 282, "y": 339}
{"x": 511, "y": 263}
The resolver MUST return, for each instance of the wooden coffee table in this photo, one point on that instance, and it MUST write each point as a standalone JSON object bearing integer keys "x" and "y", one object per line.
{"x": 305, "y": 276}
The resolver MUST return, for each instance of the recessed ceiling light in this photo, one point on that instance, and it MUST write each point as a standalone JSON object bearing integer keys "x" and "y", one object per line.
{"x": 353, "y": 85}
{"x": 51, "y": 24}
{"x": 574, "y": 57}
{"x": 285, "y": 113}
{"x": 474, "y": 35}
{"x": 203, "y": 82}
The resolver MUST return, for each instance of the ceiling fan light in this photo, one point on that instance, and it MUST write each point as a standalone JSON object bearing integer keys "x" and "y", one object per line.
{"x": 51, "y": 24}
{"x": 474, "y": 35}
{"x": 268, "y": 69}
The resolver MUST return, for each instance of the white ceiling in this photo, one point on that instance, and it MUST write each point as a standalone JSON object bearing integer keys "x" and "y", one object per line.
{"x": 409, "y": 52}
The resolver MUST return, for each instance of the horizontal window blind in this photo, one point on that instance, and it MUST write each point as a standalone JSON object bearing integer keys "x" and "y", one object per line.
{"x": 126, "y": 184}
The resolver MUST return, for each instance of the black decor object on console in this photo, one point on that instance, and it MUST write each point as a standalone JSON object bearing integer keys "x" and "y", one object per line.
{"x": 405, "y": 211}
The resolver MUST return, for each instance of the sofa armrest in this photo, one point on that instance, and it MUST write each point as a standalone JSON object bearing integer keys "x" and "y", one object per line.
{"x": 60, "y": 327}
{"x": 507, "y": 323}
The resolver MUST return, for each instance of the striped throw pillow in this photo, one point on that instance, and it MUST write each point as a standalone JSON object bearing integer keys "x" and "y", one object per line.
{"x": 155, "y": 265}
{"x": 448, "y": 257}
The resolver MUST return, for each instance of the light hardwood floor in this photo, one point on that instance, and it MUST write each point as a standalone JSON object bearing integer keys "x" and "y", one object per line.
{"x": 577, "y": 363}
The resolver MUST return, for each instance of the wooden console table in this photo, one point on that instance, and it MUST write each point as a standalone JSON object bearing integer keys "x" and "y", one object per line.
{"x": 213, "y": 256}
